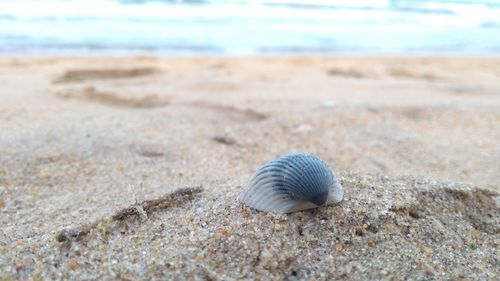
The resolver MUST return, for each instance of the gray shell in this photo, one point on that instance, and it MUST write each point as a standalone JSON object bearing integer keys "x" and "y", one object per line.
{"x": 292, "y": 183}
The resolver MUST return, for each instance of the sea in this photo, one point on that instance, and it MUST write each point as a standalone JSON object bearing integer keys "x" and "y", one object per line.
{"x": 267, "y": 27}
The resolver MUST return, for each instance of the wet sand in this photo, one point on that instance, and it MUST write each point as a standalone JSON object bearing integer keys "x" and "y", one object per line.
{"x": 130, "y": 168}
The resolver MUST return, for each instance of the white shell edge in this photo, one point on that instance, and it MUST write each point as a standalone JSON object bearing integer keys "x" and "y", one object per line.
{"x": 274, "y": 204}
{"x": 336, "y": 194}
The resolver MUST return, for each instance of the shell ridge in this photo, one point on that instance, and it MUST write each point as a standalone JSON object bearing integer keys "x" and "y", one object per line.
{"x": 293, "y": 182}
{"x": 262, "y": 190}
{"x": 276, "y": 200}
{"x": 257, "y": 201}
{"x": 280, "y": 186}
{"x": 309, "y": 179}
{"x": 285, "y": 205}
{"x": 317, "y": 174}
{"x": 285, "y": 189}
{"x": 254, "y": 191}
{"x": 270, "y": 186}
{"x": 294, "y": 173}
{"x": 298, "y": 170}
{"x": 288, "y": 206}
{"x": 268, "y": 182}
{"x": 280, "y": 168}
{"x": 322, "y": 174}
{"x": 310, "y": 175}
{"x": 275, "y": 168}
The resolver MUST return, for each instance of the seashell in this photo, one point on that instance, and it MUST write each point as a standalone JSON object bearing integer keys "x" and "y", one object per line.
{"x": 292, "y": 183}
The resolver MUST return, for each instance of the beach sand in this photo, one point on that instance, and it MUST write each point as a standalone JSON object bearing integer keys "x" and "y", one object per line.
{"x": 130, "y": 167}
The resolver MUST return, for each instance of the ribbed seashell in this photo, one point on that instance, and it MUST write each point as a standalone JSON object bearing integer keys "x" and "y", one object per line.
{"x": 292, "y": 183}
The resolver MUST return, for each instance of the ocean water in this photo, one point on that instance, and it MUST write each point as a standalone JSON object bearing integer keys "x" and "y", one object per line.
{"x": 250, "y": 27}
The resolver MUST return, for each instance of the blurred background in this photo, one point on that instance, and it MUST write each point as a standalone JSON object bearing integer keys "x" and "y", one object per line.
{"x": 250, "y": 27}
{"x": 106, "y": 104}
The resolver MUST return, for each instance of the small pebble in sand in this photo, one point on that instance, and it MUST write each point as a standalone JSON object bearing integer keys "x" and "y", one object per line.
{"x": 328, "y": 104}
{"x": 72, "y": 265}
{"x": 303, "y": 128}
{"x": 224, "y": 140}
{"x": 292, "y": 183}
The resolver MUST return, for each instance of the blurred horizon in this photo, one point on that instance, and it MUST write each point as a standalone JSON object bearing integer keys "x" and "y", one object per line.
{"x": 76, "y": 27}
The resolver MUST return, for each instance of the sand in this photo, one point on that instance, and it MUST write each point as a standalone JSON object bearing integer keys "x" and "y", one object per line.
{"x": 130, "y": 167}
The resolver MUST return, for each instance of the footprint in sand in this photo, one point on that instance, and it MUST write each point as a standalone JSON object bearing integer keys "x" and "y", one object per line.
{"x": 403, "y": 73}
{"x": 136, "y": 212}
{"x": 148, "y": 150}
{"x": 112, "y": 99}
{"x": 233, "y": 112}
{"x": 214, "y": 86}
{"x": 349, "y": 73}
{"x": 79, "y": 75}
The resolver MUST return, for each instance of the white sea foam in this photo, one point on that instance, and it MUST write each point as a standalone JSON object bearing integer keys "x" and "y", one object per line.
{"x": 276, "y": 26}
